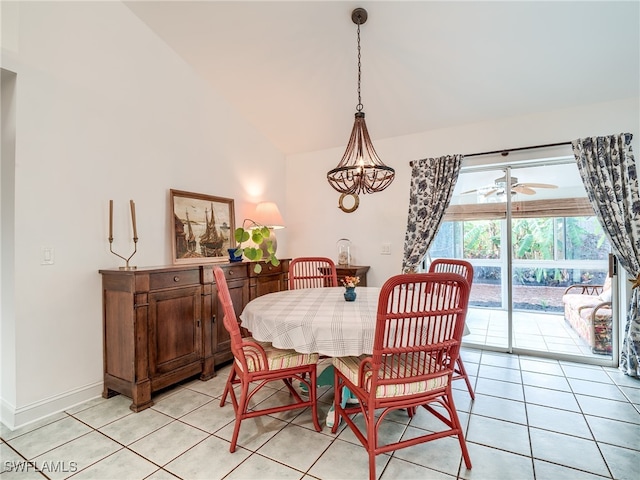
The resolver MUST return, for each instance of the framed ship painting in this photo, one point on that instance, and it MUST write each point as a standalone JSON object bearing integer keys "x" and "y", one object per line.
{"x": 202, "y": 227}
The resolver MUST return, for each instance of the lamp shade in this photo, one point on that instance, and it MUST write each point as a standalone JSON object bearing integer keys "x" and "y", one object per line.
{"x": 267, "y": 214}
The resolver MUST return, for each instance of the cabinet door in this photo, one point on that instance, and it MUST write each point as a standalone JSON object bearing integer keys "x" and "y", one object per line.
{"x": 174, "y": 329}
{"x": 239, "y": 291}
{"x": 268, "y": 284}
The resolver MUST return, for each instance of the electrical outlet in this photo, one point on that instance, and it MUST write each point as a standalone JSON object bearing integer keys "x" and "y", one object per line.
{"x": 385, "y": 249}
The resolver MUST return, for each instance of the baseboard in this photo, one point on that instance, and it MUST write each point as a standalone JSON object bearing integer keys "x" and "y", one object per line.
{"x": 13, "y": 417}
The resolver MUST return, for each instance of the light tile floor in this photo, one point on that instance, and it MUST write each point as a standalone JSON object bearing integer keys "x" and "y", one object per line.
{"x": 542, "y": 332}
{"x": 532, "y": 419}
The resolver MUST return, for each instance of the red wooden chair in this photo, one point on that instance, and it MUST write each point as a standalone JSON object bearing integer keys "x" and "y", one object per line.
{"x": 312, "y": 272}
{"x": 464, "y": 268}
{"x": 258, "y": 363}
{"x": 419, "y": 327}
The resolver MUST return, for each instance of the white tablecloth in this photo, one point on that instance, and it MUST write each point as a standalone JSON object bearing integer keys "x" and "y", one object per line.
{"x": 315, "y": 320}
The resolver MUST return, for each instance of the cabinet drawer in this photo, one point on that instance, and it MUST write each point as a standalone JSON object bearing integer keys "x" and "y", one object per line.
{"x": 178, "y": 278}
{"x": 267, "y": 269}
{"x": 235, "y": 271}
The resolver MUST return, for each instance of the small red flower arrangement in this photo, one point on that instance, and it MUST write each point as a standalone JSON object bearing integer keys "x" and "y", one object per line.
{"x": 350, "y": 282}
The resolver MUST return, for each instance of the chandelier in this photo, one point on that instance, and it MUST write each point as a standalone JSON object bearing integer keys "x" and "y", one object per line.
{"x": 360, "y": 170}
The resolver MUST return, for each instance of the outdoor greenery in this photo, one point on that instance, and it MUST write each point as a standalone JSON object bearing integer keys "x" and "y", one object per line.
{"x": 482, "y": 239}
{"x": 533, "y": 238}
{"x": 585, "y": 238}
{"x": 544, "y": 239}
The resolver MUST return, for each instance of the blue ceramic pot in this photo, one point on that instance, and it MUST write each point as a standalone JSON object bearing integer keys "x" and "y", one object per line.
{"x": 350, "y": 294}
{"x": 232, "y": 255}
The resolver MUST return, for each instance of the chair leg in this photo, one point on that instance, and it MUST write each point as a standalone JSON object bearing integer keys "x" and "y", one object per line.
{"x": 462, "y": 441}
{"x": 228, "y": 386}
{"x": 465, "y": 452}
{"x": 240, "y": 412}
{"x": 463, "y": 373}
{"x": 337, "y": 402}
{"x": 455, "y": 420}
{"x": 313, "y": 396}
{"x": 372, "y": 466}
{"x": 372, "y": 442}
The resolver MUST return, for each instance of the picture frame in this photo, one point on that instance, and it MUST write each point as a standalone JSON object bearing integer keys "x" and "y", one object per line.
{"x": 197, "y": 236}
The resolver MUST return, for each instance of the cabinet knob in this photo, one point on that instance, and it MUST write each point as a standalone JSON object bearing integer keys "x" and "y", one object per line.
{"x": 230, "y": 272}
{"x": 176, "y": 278}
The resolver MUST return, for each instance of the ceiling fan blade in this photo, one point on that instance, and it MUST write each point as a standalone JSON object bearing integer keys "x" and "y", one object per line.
{"x": 523, "y": 189}
{"x": 470, "y": 191}
{"x": 491, "y": 192}
{"x": 538, "y": 185}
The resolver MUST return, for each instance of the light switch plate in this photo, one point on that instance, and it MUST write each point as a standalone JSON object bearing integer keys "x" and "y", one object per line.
{"x": 47, "y": 257}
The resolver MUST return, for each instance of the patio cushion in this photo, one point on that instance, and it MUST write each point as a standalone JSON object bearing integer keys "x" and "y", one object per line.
{"x": 578, "y": 302}
{"x": 590, "y": 318}
{"x": 605, "y": 296}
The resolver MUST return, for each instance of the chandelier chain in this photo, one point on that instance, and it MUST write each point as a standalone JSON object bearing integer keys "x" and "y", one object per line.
{"x": 360, "y": 170}
{"x": 359, "y": 107}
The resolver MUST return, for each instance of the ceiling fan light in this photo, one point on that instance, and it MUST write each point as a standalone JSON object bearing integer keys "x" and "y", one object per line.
{"x": 500, "y": 185}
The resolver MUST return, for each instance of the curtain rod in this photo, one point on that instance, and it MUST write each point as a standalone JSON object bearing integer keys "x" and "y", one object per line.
{"x": 506, "y": 151}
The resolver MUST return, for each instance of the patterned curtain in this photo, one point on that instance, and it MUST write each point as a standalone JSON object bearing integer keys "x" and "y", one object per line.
{"x": 608, "y": 170}
{"x": 432, "y": 183}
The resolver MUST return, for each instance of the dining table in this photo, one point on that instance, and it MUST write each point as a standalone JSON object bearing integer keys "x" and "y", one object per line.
{"x": 315, "y": 320}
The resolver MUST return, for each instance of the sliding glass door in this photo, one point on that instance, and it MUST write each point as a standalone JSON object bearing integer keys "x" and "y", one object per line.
{"x": 532, "y": 237}
{"x": 474, "y": 229}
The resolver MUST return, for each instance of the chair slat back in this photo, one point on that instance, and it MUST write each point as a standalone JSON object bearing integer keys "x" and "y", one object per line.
{"x": 453, "y": 265}
{"x": 419, "y": 328}
{"x": 312, "y": 272}
{"x": 230, "y": 319}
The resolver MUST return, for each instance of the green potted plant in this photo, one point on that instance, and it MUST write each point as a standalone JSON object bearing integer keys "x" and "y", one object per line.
{"x": 259, "y": 235}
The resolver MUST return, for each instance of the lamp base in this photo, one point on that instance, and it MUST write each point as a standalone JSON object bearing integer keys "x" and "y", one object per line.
{"x": 274, "y": 242}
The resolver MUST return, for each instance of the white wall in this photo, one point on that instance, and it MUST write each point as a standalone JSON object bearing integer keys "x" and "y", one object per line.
{"x": 381, "y": 217}
{"x": 104, "y": 110}
{"x": 7, "y": 241}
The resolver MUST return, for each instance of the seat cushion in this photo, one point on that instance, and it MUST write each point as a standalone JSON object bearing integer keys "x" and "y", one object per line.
{"x": 349, "y": 367}
{"x": 277, "y": 358}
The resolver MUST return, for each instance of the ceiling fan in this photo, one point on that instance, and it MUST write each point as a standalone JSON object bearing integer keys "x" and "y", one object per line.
{"x": 500, "y": 184}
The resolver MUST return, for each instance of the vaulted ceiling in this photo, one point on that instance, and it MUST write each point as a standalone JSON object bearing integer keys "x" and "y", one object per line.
{"x": 290, "y": 67}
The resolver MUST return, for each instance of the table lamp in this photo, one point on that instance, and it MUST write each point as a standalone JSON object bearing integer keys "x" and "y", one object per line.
{"x": 267, "y": 214}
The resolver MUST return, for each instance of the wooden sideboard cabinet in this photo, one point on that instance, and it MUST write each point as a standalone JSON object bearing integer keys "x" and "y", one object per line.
{"x": 219, "y": 342}
{"x": 162, "y": 325}
{"x": 270, "y": 279}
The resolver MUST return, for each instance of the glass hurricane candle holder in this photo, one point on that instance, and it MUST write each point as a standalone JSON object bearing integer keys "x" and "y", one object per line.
{"x": 344, "y": 251}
